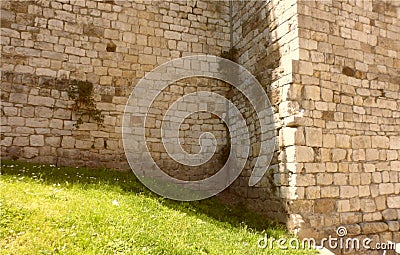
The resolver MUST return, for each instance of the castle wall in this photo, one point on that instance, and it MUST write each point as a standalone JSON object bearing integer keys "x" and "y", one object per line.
{"x": 46, "y": 45}
{"x": 330, "y": 69}
{"x": 348, "y": 161}
{"x": 265, "y": 36}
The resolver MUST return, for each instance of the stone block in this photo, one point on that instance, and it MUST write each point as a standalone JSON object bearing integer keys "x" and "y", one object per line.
{"x": 361, "y": 142}
{"x": 338, "y": 155}
{"x": 37, "y": 122}
{"x": 30, "y": 152}
{"x": 55, "y": 24}
{"x": 342, "y": 141}
{"x": 313, "y": 136}
{"x": 394, "y": 226}
{"x": 292, "y": 136}
{"x": 68, "y": 142}
{"x": 386, "y": 188}
{"x": 42, "y": 101}
{"x": 390, "y": 214}
{"x": 299, "y": 154}
{"x": 28, "y": 111}
{"x": 62, "y": 114}
{"x": 394, "y": 143}
{"x": 305, "y": 180}
{"x": 373, "y": 227}
{"x": 306, "y": 68}
{"x": 18, "y": 98}
{"x": 83, "y": 144}
{"x": 16, "y": 121}
{"x": 43, "y": 112}
{"x": 368, "y": 205}
{"x": 312, "y": 93}
{"x": 348, "y": 191}
{"x": 393, "y": 202}
{"x": 53, "y": 141}
{"x": 371, "y": 155}
{"x": 21, "y": 141}
{"x": 36, "y": 140}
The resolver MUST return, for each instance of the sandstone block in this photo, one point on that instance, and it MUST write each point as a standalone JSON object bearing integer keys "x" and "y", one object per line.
{"x": 313, "y": 136}
{"x": 24, "y": 69}
{"x": 342, "y": 141}
{"x": 21, "y": 141}
{"x": 348, "y": 191}
{"x": 43, "y": 112}
{"x": 62, "y": 114}
{"x": 328, "y": 141}
{"x": 394, "y": 142}
{"x": 55, "y": 24}
{"x": 390, "y": 214}
{"x": 372, "y": 154}
{"x": 312, "y": 93}
{"x": 305, "y": 180}
{"x": 373, "y": 227}
{"x": 16, "y": 121}
{"x": 393, "y": 225}
{"x": 30, "y": 152}
{"x": 330, "y": 191}
{"x": 324, "y": 179}
{"x": 172, "y": 35}
{"x": 18, "y": 98}
{"x": 360, "y": 142}
{"x": 39, "y": 100}
{"x": 53, "y": 141}
{"x": 37, "y": 122}
{"x": 368, "y": 205}
{"x": 292, "y": 136}
{"x": 338, "y": 155}
{"x": 36, "y": 140}
{"x": 393, "y": 202}
{"x": 299, "y": 154}
{"x": 386, "y": 188}
{"x": 68, "y": 142}
{"x": 380, "y": 142}
{"x": 82, "y": 144}
{"x": 306, "y": 68}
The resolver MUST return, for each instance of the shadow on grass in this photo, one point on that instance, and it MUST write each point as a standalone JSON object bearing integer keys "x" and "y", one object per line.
{"x": 237, "y": 216}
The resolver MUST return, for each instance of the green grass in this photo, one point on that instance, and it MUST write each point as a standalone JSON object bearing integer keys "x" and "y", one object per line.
{"x": 62, "y": 210}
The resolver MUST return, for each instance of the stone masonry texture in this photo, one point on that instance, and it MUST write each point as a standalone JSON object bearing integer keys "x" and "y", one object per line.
{"x": 330, "y": 69}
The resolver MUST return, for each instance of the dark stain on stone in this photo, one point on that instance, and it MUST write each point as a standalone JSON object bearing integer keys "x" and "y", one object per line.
{"x": 328, "y": 115}
{"x": 348, "y": 71}
{"x": 111, "y": 47}
{"x": 106, "y": 98}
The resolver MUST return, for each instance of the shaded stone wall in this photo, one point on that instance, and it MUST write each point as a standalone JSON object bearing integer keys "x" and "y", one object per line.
{"x": 265, "y": 35}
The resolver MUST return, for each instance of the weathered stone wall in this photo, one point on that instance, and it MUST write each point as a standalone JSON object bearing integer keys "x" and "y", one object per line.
{"x": 347, "y": 150}
{"x": 331, "y": 72}
{"x": 330, "y": 69}
{"x": 112, "y": 44}
{"x": 265, "y": 35}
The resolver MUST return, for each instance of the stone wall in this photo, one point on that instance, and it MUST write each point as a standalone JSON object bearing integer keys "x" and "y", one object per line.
{"x": 330, "y": 69}
{"x": 45, "y": 45}
{"x": 265, "y": 35}
{"x": 347, "y": 150}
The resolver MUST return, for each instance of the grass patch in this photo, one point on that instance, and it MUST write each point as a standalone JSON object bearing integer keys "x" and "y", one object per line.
{"x": 46, "y": 209}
